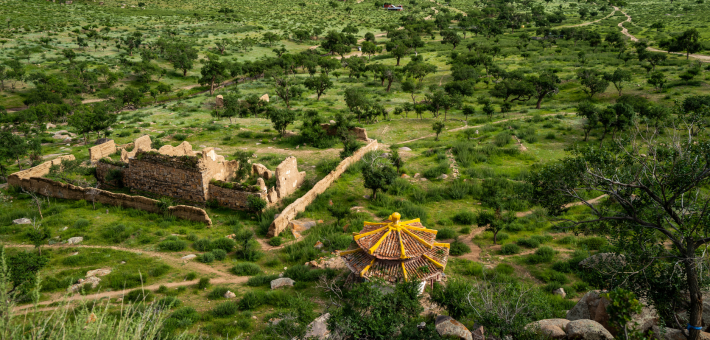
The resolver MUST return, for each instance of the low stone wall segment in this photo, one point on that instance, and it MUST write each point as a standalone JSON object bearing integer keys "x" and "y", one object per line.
{"x": 231, "y": 198}
{"x": 36, "y": 171}
{"x": 287, "y": 214}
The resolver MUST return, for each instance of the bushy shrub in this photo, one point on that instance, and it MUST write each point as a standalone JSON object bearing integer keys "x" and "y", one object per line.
{"x": 226, "y": 244}
{"x": 541, "y": 255}
{"x": 225, "y": 309}
{"x": 551, "y": 276}
{"x": 246, "y": 269}
{"x": 505, "y": 269}
{"x": 502, "y": 236}
{"x": 445, "y": 234}
{"x": 169, "y": 302}
{"x": 202, "y": 245}
{"x": 81, "y": 223}
{"x": 172, "y": 244}
{"x": 541, "y": 238}
{"x": 139, "y": 295}
{"x": 465, "y": 217}
{"x": 306, "y": 274}
{"x": 206, "y": 257}
{"x": 203, "y": 284}
{"x": 116, "y": 233}
{"x": 458, "y": 248}
{"x": 159, "y": 270}
{"x": 190, "y": 276}
{"x": 470, "y": 268}
{"x": 510, "y": 249}
{"x": 275, "y": 241}
{"x": 251, "y": 300}
{"x": 527, "y": 243}
{"x": 593, "y": 243}
{"x": 219, "y": 254}
{"x": 502, "y": 139}
{"x": 183, "y": 317}
{"x": 217, "y": 293}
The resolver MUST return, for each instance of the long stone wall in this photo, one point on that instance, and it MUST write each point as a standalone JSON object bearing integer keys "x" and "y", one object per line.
{"x": 103, "y": 169}
{"x": 281, "y": 222}
{"x": 50, "y": 188}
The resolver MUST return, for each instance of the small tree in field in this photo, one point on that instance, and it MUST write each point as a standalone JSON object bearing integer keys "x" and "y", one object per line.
{"x": 438, "y": 126}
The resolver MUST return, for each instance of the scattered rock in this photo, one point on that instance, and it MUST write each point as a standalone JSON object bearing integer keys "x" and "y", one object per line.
{"x": 443, "y": 176}
{"x": 417, "y": 175}
{"x": 423, "y": 179}
{"x": 587, "y": 330}
{"x": 50, "y": 126}
{"x": 23, "y": 220}
{"x": 91, "y": 318}
{"x": 98, "y": 272}
{"x": 319, "y": 245}
{"x": 265, "y": 97}
{"x": 447, "y": 326}
{"x": 559, "y": 291}
{"x": 479, "y": 334}
{"x": 229, "y": 295}
{"x": 74, "y": 253}
{"x": 421, "y": 325}
{"x": 367, "y": 197}
{"x": 335, "y": 262}
{"x": 674, "y": 334}
{"x": 219, "y": 100}
{"x": 189, "y": 257}
{"x": 404, "y": 148}
{"x": 590, "y": 307}
{"x": 332, "y": 122}
{"x": 553, "y": 328}
{"x": 101, "y": 141}
{"x": 404, "y": 176}
{"x": 302, "y": 225}
{"x": 282, "y": 282}
{"x": 75, "y": 240}
{"x": 318, "y": 328}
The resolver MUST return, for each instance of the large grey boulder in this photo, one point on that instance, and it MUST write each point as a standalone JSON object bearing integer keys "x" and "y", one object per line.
{"x": 553, "y": 328}
{"x": 587, "y": 330}
{"x": 593, "y": 306}
{"x": 673, "y": 334}
{"x": 318, "y": 329}
{"x": 75, "y": 240}
{"x": 23, "y": 220}
{"x": 447, "y": 326}
{"x": 282, "y": 282}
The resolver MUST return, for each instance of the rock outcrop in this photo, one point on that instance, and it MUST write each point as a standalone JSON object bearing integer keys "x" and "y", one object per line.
{"x": 282, "y": 282}
{"x": 587, "y": 330}
{"x": 447, "y": 326}
{"x": 553, "y": 328}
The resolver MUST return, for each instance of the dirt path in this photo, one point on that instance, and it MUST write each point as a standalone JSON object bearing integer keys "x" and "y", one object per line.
{"x": 265, "y": 246}
{"x": 592, "y": 22}
{"x": 625, "y": 31}
{"x": 172, "y": 261}
{"x": 121, "y": 293}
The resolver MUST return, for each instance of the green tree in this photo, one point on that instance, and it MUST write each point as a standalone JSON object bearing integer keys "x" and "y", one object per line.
{"x": 593, "y": 81}
{"x": 281, "y": 119}
{"x": 213, "y": 72}
{"x": 377, "y": 172}
{"x": 318, "y": 84}
{"x": 545, "y": 85}
{"x": 618, "y": 78}
{"x": 656, "y": 215}
{"x": 658, "y": 80}
{"x": 39, "y": 235}
{"x": 591, "y": 115}
{"x": 182, "y": 55}
{"x": 396, "y": 159}
{"x": 438, "y": 126}
{"x": 24, "y": 269}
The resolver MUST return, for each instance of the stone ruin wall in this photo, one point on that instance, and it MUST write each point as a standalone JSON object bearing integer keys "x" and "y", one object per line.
{"x": 234, "y": 198}
{"x": 164, "y": 180}
{"x": 288, "y": 178}
{"x": 102, "y": 150}
{"x": 32, "y": 180}
{"x": 103, "y": 169}
{"x": 287, "y": 214}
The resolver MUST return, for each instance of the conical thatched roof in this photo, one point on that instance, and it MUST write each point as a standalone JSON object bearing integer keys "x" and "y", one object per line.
{"x": 394, "y": 250}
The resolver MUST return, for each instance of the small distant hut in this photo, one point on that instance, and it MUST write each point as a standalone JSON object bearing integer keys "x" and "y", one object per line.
{"x": 396, "y": 251}
{"x": 391, "y": 7}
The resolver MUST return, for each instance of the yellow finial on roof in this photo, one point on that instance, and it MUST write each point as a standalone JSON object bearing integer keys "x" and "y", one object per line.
{"x": 395, "y": 218}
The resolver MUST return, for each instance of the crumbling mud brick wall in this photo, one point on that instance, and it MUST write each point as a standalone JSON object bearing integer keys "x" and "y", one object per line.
{"x": 51, "y": 188}
{"x": 288, "y": 178}
{"x": 235, "y": 198}
{"x": 37, "y": 171}
{"x": 281, "y": 222}
{"x": 102, "y": 150}
{"x": 143, "y": 143}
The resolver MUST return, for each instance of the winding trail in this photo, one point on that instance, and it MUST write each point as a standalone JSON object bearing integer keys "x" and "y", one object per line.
{"x": 625, "y": 31}
{"x": 592, "y": 22}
